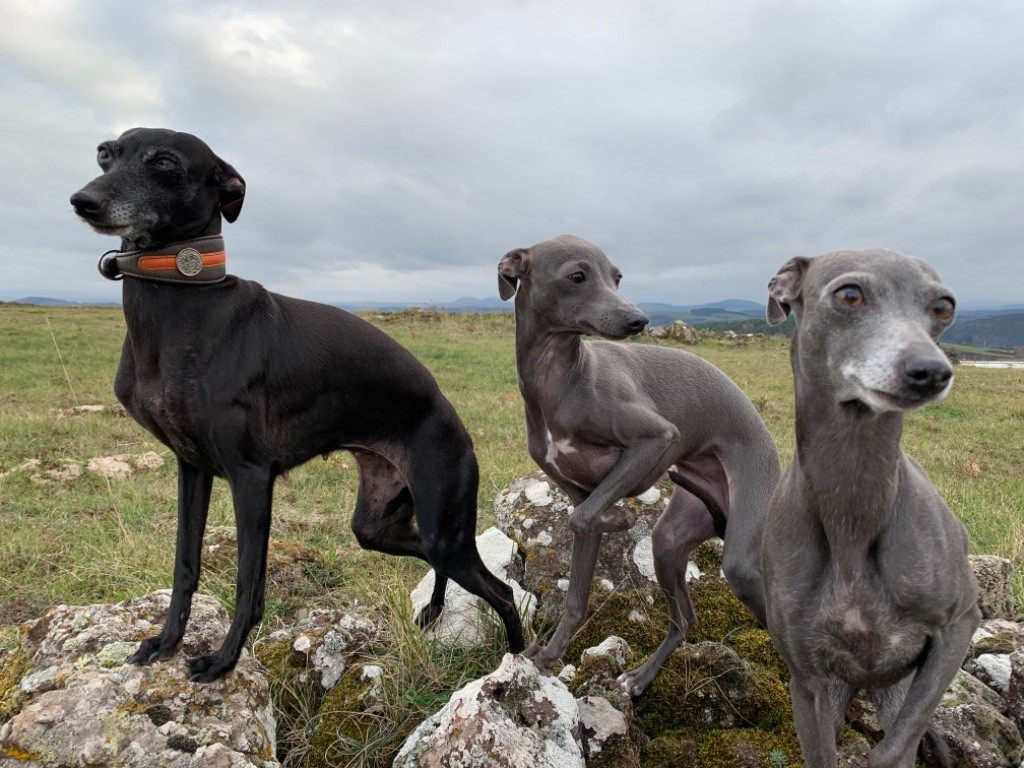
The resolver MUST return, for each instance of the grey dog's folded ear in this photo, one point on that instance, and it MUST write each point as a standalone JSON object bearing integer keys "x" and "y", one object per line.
{"x": 785, "y": 288}
{"x": 512, "y": 266}
{"x": 232, "y": 189}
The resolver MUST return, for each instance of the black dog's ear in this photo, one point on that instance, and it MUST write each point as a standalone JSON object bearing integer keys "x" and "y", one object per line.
{"x": 232, "y": 190}
{"x": 511, "y": 267}
{"x": 785, "y": 288}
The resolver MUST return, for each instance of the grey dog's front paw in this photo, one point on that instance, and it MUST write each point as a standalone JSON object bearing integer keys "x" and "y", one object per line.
{"x": 541, "y": 656}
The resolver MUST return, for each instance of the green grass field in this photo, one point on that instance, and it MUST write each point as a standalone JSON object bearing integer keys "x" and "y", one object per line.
{"x": 94, "y": 539}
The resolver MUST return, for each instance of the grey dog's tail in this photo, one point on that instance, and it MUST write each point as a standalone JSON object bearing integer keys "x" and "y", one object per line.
{"x": 717, "y": 516}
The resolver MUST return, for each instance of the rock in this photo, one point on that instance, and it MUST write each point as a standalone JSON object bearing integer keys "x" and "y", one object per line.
{"x": 1014, "y": 694}
{"x": 149, "y": 460}
{"x": 110, "y": 466}
{"x": 534, "y": 512}
{"x": 610, "y": 733}
{"x": 466, "y": 619}
{"x": 993, "y": 669}
{"x": 675, "y": 331}
{"x": 514, "y": 717}
{"x": 994, "y": 575}
{"x": 707, "y": 686}
{"x": 978, "y": 736}
{"x": 80, "y": 704}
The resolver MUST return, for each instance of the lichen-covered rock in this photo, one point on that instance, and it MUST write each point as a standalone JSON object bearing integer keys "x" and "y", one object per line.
{"x": 707, "y": 686}
{"x": 534, "y": 512}
{"x": 466, "y": 619}
{"x": 350, "y": 715}
{"x": 675, "y": 331}
{"x": 81, "y": 704}
{"x": 514, "y": 717}
{"x": 611, "y": 735}
{"x": 970, "y": 722}
{"x": 625, "y": 599}
{"x": 994, "y": 575}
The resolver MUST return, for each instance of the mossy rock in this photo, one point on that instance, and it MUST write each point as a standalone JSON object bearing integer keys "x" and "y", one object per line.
{"x": 611, "y": 615}
{"x": 719, "y": 612}
{"x": 670, "y": 750}
{"x": 15, "y": 665}
{"x": 755, "y": 644}
{"x": 747, "y": 748}
{"x": 1001, "y": 643}
{"x": 708, "y": 686}
{"x": 348, "y": 718}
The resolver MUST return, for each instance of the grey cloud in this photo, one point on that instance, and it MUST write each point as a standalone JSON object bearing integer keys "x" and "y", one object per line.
{"x": 395, "y": 150}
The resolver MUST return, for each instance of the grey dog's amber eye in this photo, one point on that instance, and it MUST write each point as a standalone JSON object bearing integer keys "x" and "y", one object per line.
{"x": 944, "y": 308}
{"x": 102, "y": 154}
{"x": 577, "y": 277}
{"x": 850, "y": 296}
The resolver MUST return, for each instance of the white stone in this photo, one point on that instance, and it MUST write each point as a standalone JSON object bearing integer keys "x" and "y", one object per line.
{"x": 643, "y": 556}
{"x": 650, "y": 496}
{"x": 693, "y": 573}
{"x": 563, "y": 584}
{"x": 615, "y": 647}
{"x": 544, "y": 539}
{"x": 302, "y": 644}
{"x": 568, "y": 674}
{"x": 464, "y": 620}
{"x": 602, "y": 721}
{"x": 538, "y": 493}
{"x": 997, "y": 667}
{"x": 607, "y": 585}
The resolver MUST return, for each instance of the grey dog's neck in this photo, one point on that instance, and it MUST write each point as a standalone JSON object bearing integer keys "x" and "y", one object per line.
{"x": 850, "y": 460}
{"x": 543, "y": 357}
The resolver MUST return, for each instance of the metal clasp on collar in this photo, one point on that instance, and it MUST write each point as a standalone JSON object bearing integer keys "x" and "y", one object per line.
{"x": 107, "y": 265}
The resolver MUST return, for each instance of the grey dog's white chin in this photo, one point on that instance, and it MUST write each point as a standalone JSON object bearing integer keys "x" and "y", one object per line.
{"x": 882, "y": 401}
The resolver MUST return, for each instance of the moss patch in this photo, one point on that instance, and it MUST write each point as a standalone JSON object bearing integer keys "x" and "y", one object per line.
{"x": 610, "y": 615}
{"x": 747, "y": 748}
{"x": 344, "y": 724}
{"x": 755, "y": 644}
{"x": 14, "y": 666}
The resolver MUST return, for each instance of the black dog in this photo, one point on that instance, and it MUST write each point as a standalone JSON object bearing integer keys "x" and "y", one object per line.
{"x": 244, "y": 384}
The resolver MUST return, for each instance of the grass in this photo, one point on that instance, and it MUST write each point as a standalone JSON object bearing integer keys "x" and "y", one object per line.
{"x": 93, "y": 539}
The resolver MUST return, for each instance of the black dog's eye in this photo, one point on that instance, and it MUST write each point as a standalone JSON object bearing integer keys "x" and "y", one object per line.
{"x": 577, "y": 277}
{"x": 102, "y": 154}
{"x": 850, "y": 296}
{"x": 163, "y": 163}
{"x": 944, "y": 308}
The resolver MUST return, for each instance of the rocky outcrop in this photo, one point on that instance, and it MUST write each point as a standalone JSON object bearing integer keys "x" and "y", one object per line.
{"x": 995, "y": 575}
{"x": 69, "y": 698}
{"x": 675, "y": 331}
{"x": 514, "y": 717}
{"x": 467, "y": 619}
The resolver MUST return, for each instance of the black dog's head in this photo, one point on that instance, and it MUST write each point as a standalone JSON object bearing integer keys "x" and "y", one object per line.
{"x": 159, "y": 186}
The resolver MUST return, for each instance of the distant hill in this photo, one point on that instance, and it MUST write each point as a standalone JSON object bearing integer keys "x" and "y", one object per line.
{"x": 45, "y": 301}
{"x": 1004, "y": 331}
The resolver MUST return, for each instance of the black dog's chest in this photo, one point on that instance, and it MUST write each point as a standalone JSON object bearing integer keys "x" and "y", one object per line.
{"x": 164, "y": 411}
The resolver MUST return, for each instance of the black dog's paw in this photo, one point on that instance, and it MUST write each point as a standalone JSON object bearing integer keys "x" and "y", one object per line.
{"x": 428, "y": 615}
{"x": 151, "y": 650}
{"x": 207, "y": 669}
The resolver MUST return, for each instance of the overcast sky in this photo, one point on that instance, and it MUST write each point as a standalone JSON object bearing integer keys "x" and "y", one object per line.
{"x": 395, "y": 150}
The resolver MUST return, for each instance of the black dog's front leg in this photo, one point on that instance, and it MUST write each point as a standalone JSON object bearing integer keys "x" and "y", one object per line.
{"x": 251, "y": 493}
{"x": 193, "y": 503}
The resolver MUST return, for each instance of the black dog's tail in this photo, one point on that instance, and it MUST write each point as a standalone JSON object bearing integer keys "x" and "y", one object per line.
{"x": 717, "y": 515}
{"x": 934, "y": 751}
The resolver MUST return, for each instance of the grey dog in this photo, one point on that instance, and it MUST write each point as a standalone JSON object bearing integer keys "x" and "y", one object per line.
{"x": 605, "y": 420}
{"x": 868, "y": 583}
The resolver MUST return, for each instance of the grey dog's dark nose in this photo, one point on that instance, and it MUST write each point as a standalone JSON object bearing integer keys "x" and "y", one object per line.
{"x": 85, "y": 203}
{"x": 926, "y": 375}
{"x": 636, "y": 321}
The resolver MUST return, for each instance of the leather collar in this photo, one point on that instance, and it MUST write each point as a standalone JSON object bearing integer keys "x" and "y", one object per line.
{"x": 199, "y": 260}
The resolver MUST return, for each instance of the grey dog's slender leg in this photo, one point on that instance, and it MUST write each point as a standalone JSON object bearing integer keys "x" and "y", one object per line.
{"x": 585, "y": 548}
{"x": 683, "y": 525}
{"x": 815, "y": 724}
{"x": 944, "y": 657}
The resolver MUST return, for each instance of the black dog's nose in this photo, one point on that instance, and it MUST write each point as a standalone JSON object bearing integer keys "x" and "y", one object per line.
{"x": 636, "y": 321}
{"x": 85, "y": 203}
{"x": 926, "y": 375}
